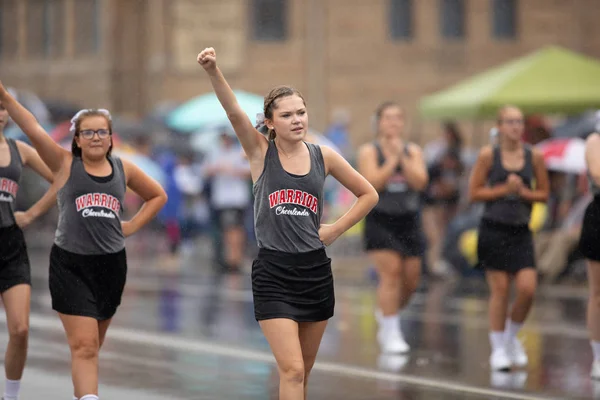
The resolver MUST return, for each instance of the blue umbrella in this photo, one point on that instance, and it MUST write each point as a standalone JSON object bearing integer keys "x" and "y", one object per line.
{"x": 206, "y": 110}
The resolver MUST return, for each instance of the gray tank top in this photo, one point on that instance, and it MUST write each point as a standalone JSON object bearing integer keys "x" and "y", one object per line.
{"x": 287, "y": 207}
{"x": 89, "y": 211}
{"x": 510, "y": 210}
{"x": 9, "y": 185}
{"x": 397, "y": 198}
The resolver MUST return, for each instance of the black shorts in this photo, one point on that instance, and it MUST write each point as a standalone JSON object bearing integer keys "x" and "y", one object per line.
{"x": 87, "y": 285}
{"x": 14, "y": 262}
{"x": 505, "y": 247}
{"x": 296, "y": 286}
{"x": 230, "y": 217}
{"x": 403, "y": 234}
{"x": 589, "y": 242}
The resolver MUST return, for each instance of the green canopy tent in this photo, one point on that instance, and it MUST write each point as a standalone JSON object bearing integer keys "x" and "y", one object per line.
{"x": 550, "y": 81}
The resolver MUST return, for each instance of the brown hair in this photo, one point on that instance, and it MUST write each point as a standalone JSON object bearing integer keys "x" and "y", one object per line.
{"x": 503, "y": 109}
{"x": 76, "y": 127}
{"x": 270, "y": 103}
{"x": 381, "y": 109}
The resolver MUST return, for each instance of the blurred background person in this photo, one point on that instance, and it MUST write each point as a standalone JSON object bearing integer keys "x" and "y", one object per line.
{"x": 393, "y": 233}
{"x": 508, "y": 178}
{"x": 229, "y": 174}
{"x": 445, "y": 164}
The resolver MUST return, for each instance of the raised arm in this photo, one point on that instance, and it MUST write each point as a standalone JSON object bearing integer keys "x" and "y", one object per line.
{"x": 592, "y": 156}
{"x": 369, "y": 168}
{"x": 366, "y": 194}
{"x": 478, "y": 190}
{"x": 53, "y": 155}
{"x": 254, "y": 143}
{"x": 149, "y": 190}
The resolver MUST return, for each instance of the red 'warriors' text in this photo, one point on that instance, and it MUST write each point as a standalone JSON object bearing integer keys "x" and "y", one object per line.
{"x": 290, "y": 196}
{"x": 9, "y": 186}
{"x": 98, "y": 200}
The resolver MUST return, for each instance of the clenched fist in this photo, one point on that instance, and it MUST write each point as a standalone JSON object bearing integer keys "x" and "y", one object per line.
{"x": 208, "y": 59}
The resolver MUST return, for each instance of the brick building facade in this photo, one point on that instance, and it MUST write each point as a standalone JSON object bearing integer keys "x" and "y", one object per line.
{"x": 128, "y": 55}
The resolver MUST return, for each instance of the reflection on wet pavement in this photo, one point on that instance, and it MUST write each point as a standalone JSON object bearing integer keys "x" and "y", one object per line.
{"x": 183, "y": 333}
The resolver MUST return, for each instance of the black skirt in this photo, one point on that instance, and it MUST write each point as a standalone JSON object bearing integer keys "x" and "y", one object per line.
{"x": 589, "y": 242}
{"x": 87, "y": 285}
{"x": 505, "y": 247}
{"x": 296, "y": 286}
{"x": 402, "y": 234}
{"x": 14, "y": 262}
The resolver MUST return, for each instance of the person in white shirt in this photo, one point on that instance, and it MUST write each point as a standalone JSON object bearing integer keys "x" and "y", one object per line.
{"x": 229, "y": 173}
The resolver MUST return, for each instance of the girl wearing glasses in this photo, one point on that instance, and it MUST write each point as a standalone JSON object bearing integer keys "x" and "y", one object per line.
{"x": 503, "y": 178}
{"x": 15, "y": 273}
{"x": 88, "y": 263}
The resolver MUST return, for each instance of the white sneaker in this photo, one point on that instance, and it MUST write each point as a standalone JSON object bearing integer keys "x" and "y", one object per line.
{"x": 499, "y": 360}
{"x": 519, "y": 379}
{"x": 508, "y": 380}
{"x": 516, "y": 353}
{"x": 500, "y": 379}
{"x": 595, "y": 374}
{"x": 392, "y": 342}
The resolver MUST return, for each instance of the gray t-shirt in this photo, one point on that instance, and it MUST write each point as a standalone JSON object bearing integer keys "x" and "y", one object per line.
{"x": 89, "y": 211}
{"x": 9, "y": 185}
{"x": 287, "y": 207}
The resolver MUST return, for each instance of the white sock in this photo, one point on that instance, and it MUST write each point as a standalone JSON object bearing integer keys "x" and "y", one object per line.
{"x": 11, "y": 389}
{"x": 89, "y": 397}
{"x": 596, "y": 350}
{"x": 390, "y": 323}
{"x": 75, "y": 397}
{"x": 511, "y": 329}
{"x": 497, "y": 340}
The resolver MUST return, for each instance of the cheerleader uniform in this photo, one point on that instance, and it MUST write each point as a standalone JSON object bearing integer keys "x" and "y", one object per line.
{"x": 291, "y": 276}
{"x": 88, "y": 263}
{"x": 589, "y": 241}
{"x": 395, "y": 222}
{"x": 505, "y": 242}
{"x": 14, "y": 262}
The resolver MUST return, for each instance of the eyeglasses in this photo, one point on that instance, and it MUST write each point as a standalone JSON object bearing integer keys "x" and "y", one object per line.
{"x": 513, "y": 121}
{"x": 89, "y": 133}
